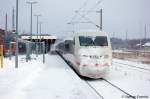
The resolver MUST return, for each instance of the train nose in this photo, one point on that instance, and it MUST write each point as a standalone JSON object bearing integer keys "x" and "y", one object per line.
{"x": 94, "y": 66}
{"x": 93, "y": 72}
{"x": 94, "y": 60}
{"x": 93, "y": 69}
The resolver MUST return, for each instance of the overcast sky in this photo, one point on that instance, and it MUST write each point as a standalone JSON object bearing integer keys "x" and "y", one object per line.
{"x": 119, "y": 16}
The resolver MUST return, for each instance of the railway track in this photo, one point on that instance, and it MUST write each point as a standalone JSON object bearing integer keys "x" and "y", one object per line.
{"x": 131, "y": 96}
{"x": 132, "y": 66}
{"x": 94, "y": 89}
{"x": 113, "y": 91}
{"x": 99, "y": 81}
{"x": 97, "y": 93}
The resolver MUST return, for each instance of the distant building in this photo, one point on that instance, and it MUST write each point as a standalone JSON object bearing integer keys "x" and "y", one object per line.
{"x": 146, "y": 45}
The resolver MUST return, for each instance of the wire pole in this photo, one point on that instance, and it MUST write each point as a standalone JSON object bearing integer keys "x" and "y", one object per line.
{"x": 6, "y": 35}
{"x": 101, "y": 16}
{"x": 37, "y": 29}
{"x": 126, "y": 35}
{"x": 13, "y": 20}
{"x": 145, "y": 30}
{"x": 16, "y": 62}
{"x": 113, "y": 34}
{"x": 145, "y": 39}
{"x": 73, "y": 25}
{"x": 43, "y": 44}
{"x": 40, "y": 30}
{"x": 101, "y": 19}
{"x": 126, "y": 39}
{"x": 31, "y": 3}
{"x": 6, "y": 28}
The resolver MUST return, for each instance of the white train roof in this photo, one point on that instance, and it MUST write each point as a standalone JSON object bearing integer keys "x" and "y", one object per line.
{"x": 91, "y": 33}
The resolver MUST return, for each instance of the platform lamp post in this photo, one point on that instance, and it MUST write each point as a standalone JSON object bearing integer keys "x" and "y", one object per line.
{"x": 42, "y": 44}
{"x": 40, "y": 36}
{"x": 38, "y": 15}
{"x": 31, "y": 3}
{"x": 40, "y": 30}
{"x": 16, "y": 56}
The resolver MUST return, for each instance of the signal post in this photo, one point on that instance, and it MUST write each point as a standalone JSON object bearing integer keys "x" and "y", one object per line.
{"x": 1, "y": 56}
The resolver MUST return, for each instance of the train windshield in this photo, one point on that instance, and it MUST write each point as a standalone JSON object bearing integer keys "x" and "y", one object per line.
{"x": 93, "y": 41}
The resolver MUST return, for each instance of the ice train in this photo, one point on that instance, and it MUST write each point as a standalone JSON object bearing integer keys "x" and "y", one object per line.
{"x": 89, "y": 52}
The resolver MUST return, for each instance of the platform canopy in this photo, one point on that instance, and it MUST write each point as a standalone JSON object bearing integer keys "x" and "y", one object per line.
{"x": 39, "y": 37}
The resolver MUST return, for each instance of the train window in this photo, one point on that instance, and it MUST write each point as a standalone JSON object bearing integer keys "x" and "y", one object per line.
{"x": 93, "y": 41}
{"x": 101, "y": 41}
{"x": 85, "y": 41}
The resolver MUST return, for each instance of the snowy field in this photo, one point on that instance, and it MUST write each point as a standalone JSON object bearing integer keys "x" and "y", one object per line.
{"x": 55, "y": 80}
{"x": 134, "y": 81}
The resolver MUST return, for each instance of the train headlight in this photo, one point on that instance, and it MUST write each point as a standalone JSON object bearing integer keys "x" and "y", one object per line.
{"x": 106, "y": 56}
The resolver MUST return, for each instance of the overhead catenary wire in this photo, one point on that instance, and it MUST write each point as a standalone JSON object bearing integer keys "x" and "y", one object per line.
{"x": 85, "y": 3}
{"x": 88, "y": 20}
{"x": 83, "y": 16}
{"x": 92, "y": 8}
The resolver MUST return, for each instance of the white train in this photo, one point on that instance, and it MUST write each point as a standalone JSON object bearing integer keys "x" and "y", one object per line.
{"x": 89, "y": 52}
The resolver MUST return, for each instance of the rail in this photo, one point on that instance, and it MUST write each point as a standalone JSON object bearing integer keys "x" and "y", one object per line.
{"x": 131, "y": 96}
{"x": 97, "y": 93}
{"x": 132, "y": 66}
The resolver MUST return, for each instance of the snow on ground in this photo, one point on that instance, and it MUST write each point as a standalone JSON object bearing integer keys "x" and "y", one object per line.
{"x": 106, "y": 90}
{"x": 35, "y": 80}
{"x": 120, "y": 51}
{"x": 55, "y": 80}
{"x": 136, "y": 82}
{"x": 138, "y": 64}
{"x": 133, "y": 81}
{"x": 13, "y": 80}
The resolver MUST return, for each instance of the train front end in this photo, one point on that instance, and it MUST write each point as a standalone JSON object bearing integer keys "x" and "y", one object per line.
{"x": 94, "y": 56}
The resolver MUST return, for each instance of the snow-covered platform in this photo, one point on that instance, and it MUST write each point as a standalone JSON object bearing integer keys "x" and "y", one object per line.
{"x": 35, "y": 80}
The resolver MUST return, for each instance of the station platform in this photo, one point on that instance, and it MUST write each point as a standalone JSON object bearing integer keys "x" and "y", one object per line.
{"x": 35, "y": 80}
